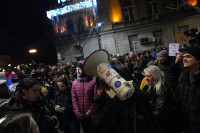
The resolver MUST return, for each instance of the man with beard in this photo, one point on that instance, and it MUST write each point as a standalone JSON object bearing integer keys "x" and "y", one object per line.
{"x": 27, "y": 99}
{"x": 165, "y": 65}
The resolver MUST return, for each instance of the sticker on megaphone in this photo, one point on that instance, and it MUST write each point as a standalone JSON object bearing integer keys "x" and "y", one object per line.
{"x": 119, "y": 86}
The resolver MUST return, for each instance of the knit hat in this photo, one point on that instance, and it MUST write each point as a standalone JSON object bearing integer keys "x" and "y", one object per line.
{"x": 194, "y": 51}
{"x": 80, "y": 64}
{"x": 164, "y": 53}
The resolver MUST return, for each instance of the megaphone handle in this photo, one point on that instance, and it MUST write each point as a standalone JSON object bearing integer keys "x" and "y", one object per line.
{"x": 110, "y": 93}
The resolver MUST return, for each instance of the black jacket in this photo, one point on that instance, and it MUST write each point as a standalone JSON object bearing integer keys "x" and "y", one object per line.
{"x": 116, "y": 116}
{"x": 189, "y": 99}
{"x": 64, "y": 99}
{"x": 162, "y": 108}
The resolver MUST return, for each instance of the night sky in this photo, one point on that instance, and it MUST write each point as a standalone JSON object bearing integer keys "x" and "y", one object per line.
{"x": 25, "y": 26}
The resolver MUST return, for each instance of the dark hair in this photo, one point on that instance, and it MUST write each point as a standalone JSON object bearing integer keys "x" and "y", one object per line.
{"x": 28, "y": 82}
{"x": 123, "y": 71}
{"x": 63, "y": 80}
{"x": 55, "y": 73}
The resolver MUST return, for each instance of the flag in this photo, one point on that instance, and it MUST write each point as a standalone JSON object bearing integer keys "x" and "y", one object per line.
{"x": 9, "y": 83}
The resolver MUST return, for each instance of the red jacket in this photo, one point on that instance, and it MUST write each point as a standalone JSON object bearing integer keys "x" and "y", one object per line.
{"x": 83, "y": 94}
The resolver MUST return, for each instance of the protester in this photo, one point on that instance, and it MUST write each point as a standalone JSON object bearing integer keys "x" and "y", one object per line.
{"x": 83, "y": 94}
{"x": 111, "y": 115}
{"x": 62, "y": 104}
{"x": 160, "y": 99}
{"x": 188, "y": 92}
{"x": 27, "y": 99}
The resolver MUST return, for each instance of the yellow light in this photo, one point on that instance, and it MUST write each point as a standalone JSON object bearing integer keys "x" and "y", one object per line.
{"x": 9, "y": 65}
{"x": 56, "y": 27}
{"x": 116, "y": 19}
{"x": 91, "y": 21}
{"x": 86, "y": 21}
{"x": 193, "y": 2}
{"x": 62, "y": 29}
{"x": 115, "y": 11}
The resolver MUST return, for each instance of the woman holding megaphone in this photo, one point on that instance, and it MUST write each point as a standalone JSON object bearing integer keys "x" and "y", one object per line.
{"x": 119, "y": 107}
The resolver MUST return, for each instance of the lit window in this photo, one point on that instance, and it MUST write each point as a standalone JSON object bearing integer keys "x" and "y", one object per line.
{"x": 193, "y": 2}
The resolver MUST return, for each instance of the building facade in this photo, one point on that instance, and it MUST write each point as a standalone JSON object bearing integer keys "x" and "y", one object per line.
{"x": 119, "y": 26}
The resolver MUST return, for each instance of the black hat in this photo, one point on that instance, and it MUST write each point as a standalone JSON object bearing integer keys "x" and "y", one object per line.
{"x": 194, "y": 51}
{"x": 80, "y": 64}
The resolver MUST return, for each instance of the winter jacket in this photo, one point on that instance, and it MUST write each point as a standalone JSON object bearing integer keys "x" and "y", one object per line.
{"x": 83, "y": 94}
{"x": 116, "y": 116}
{"x": 162, "y": 107}
{"x": 189, "y": 99}
{"x": 63, "y": 98}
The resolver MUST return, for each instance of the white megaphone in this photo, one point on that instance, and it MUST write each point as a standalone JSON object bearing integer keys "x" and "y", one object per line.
{"x": 97, "y": 64}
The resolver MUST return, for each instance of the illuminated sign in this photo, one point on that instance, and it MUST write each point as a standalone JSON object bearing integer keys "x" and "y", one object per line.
{"x": 71, "y": 8}
{"x": 61, "y": 1}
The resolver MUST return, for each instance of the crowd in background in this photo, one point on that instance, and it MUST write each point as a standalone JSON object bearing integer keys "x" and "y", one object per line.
{"x": 71, "y": 98}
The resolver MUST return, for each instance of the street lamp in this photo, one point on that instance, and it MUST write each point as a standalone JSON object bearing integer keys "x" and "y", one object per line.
{"x": 32, "y": 51}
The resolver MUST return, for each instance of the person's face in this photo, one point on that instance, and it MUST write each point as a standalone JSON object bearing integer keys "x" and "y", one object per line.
{"x": 149, "y": 78}
{"x": 61, "y": 86}
{"x": 18, "y": 67}
{"x": 189, "y": 61}
{"x": 126, "y": 57}
{"x": 162, "y": 58}
{"x": 79, "y": 72}
{"x": 130, "y": 55}
{"x": 42, "y": 70}
{"x": 147, "y": 54}
{"x": 32, "y": 71}
{"x": 110, "y": 58}
{"x": 68, "y": 64}
{"x": 33, "y": 94}
{"x": 55, "y": 77}
{"x": 141, "y": 56}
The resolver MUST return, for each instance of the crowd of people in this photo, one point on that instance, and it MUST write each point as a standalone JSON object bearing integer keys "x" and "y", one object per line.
{"x": 63, "y": 99}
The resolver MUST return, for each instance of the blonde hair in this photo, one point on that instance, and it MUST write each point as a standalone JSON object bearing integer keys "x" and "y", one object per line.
{"x": 158, "y": 77}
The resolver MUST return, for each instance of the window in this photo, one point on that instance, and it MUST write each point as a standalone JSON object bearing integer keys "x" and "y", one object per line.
{"x": 134, "y": 43}
{"x": 183, "y": 28}
{"x": 158, "y": 35}
{"x": 152, "y": 8}
{"x": 127, "y": 11}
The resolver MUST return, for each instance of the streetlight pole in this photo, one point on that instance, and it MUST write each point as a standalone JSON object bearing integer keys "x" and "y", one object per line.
{"x": 97, "y": 25}
{"x": 98, "y": 36}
